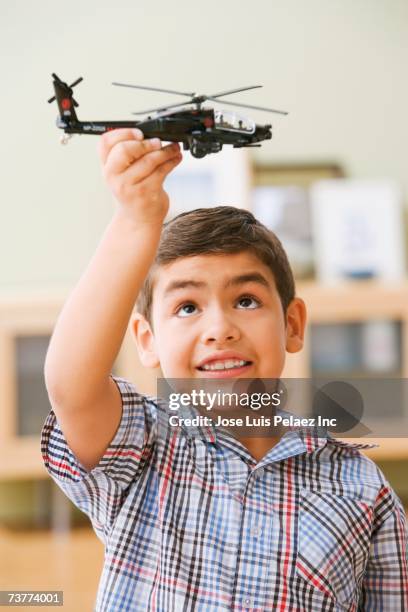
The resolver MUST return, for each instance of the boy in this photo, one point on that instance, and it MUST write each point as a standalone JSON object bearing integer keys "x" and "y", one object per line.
{"x": 205, "y": 522}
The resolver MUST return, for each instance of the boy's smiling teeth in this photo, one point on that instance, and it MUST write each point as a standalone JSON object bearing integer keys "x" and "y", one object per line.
{"x": 225, "y": 364}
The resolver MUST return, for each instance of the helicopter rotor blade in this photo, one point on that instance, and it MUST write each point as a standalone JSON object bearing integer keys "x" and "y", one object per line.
{"x": 261, "y": 108}
{"x": 231, "y": 91}
{"x": 160, "y": 108}
{"x": 179, "y": 93}
{"x": 75, "y": 103}
{"x": 76, "y": 82}
{"x": 56, "y": 78}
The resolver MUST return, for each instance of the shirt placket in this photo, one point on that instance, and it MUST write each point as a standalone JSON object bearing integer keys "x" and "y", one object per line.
{"x": 254, "y": 570}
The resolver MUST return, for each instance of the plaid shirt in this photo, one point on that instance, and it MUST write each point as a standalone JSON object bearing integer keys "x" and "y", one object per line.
{"x": 191, "y": 521}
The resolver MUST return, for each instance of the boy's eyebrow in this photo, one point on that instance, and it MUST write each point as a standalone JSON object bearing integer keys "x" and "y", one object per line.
{"x": 240, "y": 279}
{"x": 248, "y": 277}
{"x": 182, "y": 284}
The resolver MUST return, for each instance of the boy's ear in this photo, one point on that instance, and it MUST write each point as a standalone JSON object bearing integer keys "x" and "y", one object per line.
{"x": 295, "y": 325}
{"x": 145, "y": 342}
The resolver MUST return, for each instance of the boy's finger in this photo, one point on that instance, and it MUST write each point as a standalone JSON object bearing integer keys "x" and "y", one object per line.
{"x": 124, "y": 153}
{"x": 155, "y": 180}
{"x": 164, "y": 169}
{"x": 148, "y": 164}
{"x": 112, "y": 137}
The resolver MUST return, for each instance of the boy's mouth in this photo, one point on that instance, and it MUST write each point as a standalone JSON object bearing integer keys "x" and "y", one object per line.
{"x": 224, "y": 367}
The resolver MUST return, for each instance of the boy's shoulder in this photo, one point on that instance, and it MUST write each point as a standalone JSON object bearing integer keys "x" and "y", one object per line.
{"x": 356, "y": 474}
{"x": 344, "y": 450}
{"x": 352, "y": 460}
{"x": 156, "y": 409}
{"x": 131, "y": 396}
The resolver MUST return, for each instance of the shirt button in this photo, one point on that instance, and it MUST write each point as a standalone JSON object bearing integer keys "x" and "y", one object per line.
{"x": 259, "y": 473}
{"x": 255, "y": 531}
{"x": 248, "y": 602}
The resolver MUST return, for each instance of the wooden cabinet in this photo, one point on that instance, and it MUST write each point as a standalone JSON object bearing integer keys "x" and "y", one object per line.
{"x": 26, "y": 324}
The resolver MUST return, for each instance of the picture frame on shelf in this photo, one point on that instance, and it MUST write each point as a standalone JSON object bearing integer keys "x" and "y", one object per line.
{"x": 299, "y": 174}
{"x": 281, "y": 201}
{"x": 358, "y": 230}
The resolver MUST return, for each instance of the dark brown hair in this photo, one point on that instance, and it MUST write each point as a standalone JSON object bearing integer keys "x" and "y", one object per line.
{"x": 219, "y": 230}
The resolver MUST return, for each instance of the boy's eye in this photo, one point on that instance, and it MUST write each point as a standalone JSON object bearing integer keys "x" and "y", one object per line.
{"x": 246, "y": 301}
{"x": 186, "y": 310}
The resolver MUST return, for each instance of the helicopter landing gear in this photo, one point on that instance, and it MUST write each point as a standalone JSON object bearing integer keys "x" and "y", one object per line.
{"x": 201, "y": 149}
{"x": 198, "y": 150}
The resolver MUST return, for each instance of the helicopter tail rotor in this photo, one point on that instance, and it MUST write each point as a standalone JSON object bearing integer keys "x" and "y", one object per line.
{"x": 64, "y": 88}
{"x": 65, "y": 100}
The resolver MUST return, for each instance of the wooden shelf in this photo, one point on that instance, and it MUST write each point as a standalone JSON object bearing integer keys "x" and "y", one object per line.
{"x": 354, "y": 301}
{"x": 347, "y": 302}
{"x": 20, "y": 459}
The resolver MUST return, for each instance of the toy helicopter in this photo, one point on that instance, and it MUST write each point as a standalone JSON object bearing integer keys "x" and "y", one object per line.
{"x": 200, "y": 130}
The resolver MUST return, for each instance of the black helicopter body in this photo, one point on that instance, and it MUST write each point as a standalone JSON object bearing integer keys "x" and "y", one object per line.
{"x": 200, "y": 130}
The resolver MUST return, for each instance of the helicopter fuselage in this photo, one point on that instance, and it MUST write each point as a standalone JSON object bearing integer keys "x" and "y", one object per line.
{"x": 196, "y": 130}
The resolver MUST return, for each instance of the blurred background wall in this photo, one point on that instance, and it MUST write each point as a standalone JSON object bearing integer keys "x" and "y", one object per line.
{"x": 338, "y": 67}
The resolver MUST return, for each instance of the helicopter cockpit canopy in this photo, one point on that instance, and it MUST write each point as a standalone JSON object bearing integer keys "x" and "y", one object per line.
{"x": 226, "y": 120}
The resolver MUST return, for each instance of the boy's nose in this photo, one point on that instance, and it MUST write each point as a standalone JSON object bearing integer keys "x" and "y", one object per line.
{"x": 220, "y": 330}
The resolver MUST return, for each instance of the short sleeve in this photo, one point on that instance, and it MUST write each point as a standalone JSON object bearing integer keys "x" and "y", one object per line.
{"x": 385, "y": 582}
{"x": 101, "y": 492}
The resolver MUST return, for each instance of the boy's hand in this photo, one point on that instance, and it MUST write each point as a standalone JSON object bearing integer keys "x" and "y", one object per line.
{"x": 135, "y": 169}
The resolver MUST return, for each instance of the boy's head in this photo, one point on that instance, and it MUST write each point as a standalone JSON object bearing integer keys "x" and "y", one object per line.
{"x": 220, "y": 292}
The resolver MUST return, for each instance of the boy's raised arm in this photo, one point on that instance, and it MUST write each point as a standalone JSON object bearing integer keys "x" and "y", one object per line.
{"x": 93, "y": 322}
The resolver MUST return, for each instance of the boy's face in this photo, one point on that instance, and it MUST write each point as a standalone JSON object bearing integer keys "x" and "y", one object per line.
{"x": 218, "y": 316}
